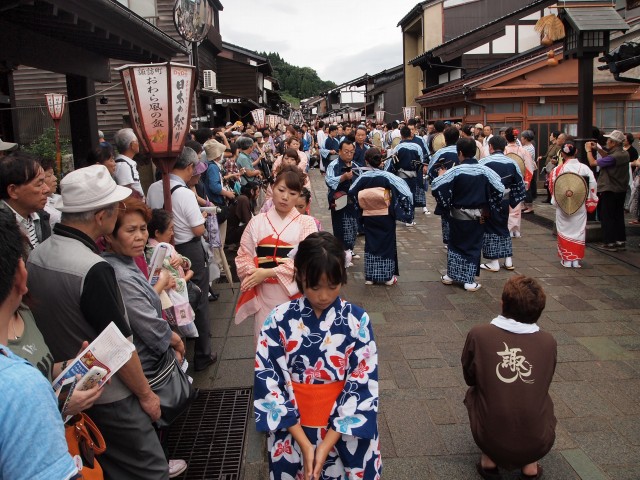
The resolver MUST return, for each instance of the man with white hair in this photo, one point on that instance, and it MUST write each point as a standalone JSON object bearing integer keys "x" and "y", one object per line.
{"x": 126, "y": 168}
{"x": 77, "y": 297}
{"x": 188, "y": 230}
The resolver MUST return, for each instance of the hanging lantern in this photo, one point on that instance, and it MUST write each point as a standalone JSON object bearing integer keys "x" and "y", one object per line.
{"x": 55, "y": 105}
{"x": 380, "y": 117}
{"x": 159, "y": 98}
{"x": 273, "y": 121}
{"x": 408, "y": 112}
{"x": 258, "y": 117}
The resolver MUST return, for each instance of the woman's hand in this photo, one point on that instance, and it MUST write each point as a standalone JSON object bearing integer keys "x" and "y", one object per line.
{"x": 307, "y": 449}
{"x": 258, "y": 276}
{"x": 188, "y": 275}
{"x": 178, "y": 346}
{"x": 82, "y": 400}
{"x": 308, "y": 453}
{"x": 165, "y": 282}
{"x": 322, "y": 451}
{"x": 176, "y": 261}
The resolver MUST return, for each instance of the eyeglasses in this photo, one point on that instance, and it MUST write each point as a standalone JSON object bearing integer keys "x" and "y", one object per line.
{"x": 348, "y": 152}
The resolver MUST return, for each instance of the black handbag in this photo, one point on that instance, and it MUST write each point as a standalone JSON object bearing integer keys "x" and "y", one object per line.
{"x": 173, "y": 388}
{"x": 195, "y": 293}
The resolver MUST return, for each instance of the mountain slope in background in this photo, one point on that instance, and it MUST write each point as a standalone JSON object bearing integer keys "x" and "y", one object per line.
{"x": 296, "y": 82}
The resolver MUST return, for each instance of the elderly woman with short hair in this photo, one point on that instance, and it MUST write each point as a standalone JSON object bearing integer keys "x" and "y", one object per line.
{"x": 157, "y": 345}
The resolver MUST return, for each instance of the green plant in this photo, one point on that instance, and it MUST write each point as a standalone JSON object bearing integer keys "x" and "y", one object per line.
{"x": 45, "y": 145}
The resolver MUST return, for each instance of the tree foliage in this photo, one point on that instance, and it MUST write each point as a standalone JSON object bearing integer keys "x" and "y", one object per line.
{"x": 298, "y": 82}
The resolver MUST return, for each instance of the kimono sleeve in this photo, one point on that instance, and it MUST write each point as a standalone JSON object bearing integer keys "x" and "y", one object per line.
{"x": 245, "y": 259}
{"x": 274, "y": 403}
{"x": 356, "y": 409}
{"x": 592, "y": 197}
{"x": 442, "y": 189}
{"x": 518, "y": 190}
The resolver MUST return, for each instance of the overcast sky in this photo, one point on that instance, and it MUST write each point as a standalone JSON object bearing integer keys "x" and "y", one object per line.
{"x": 340, "y": 40}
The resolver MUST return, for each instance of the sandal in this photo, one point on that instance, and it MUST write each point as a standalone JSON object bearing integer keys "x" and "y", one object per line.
{"x": 508, "y": 267}
{"x": 488, "y": 473}
{"x": 485, "y": 266}
{"x": 447, "y": 281}
{"x": 532, "y": 477}
{"x": 473, "y": 287}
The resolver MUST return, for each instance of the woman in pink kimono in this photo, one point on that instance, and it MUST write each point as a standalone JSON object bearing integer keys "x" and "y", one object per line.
{"x": 515, "y": 214}
{"x": 264, "y": 263}
{"x": 572, "y": 228}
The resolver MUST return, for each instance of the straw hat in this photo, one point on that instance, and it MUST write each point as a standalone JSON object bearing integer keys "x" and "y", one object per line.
{"x": 570, "y": 192}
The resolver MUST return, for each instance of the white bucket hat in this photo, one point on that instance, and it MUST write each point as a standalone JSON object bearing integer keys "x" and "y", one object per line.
{"x": 7, "y": 146}
{"x": 89, "y": 188}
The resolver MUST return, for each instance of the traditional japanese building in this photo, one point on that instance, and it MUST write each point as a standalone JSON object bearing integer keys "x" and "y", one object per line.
{"x": 520, "y": 88}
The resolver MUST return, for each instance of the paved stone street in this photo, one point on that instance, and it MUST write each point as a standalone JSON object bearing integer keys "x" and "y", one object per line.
{"x": 420, "y": 326}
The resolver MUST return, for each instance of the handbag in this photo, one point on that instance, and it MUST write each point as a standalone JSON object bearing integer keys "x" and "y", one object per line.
{"x": 173, "y": 388}
{"x": 85, "y": 441}
{"x": 195, "y": 292}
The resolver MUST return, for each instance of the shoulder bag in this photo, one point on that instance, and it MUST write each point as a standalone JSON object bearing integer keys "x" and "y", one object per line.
{"x": 173, "y": 388}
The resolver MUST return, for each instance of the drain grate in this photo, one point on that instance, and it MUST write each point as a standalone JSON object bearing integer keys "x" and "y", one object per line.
{"x": 210, "y": 435}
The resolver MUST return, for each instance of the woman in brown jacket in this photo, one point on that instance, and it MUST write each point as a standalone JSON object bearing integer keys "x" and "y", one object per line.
{"x": 508, "y": 365}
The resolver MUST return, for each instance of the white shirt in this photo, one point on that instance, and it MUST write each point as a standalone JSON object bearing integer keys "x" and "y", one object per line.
{"x": 55, "y": 215}
{"x": 320, "y": 138}
{"x": 186, "y": 212}
{"x": 127, "y": 174}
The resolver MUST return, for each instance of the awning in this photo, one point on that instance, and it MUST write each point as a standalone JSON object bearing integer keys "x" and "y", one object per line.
{"x": 79, "y": 37}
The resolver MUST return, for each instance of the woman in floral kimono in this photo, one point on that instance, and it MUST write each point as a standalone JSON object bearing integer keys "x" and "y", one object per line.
{"x": 316, "y": 376}
{"x": 263, "y": 263}
{"x": 383, "y": 199}
{"x": 572, "y": 228}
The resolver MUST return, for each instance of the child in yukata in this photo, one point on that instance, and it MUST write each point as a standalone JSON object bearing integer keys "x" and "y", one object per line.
{"x": 316, "y": 375}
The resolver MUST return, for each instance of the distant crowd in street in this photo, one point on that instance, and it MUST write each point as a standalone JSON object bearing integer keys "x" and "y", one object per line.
{"x": 85, "y": 254}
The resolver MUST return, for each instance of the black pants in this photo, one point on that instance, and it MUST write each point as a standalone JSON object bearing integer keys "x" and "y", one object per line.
{"x": 133, "y": 448}
{"x": 611, "y": 213}
{"x": 194, "y": 251}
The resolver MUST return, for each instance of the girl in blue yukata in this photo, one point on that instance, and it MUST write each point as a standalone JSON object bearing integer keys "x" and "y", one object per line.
{"x": 316, "y": 375}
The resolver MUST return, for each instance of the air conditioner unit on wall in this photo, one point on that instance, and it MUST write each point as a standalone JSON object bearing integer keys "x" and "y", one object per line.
{"x": 209, "y": 80}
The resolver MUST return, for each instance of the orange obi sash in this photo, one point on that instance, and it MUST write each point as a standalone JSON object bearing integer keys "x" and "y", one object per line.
{"x": 315, "y": 401}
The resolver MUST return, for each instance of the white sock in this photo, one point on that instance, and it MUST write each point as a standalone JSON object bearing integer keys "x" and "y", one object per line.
{"x": 508, "y": 262}
{"x": 493, "y": 264}
{"x": 575, "y": 264}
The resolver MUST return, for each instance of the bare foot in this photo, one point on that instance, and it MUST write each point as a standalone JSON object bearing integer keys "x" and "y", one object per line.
{"x": 530, "y": 469}
{"x": 487, "y": 463}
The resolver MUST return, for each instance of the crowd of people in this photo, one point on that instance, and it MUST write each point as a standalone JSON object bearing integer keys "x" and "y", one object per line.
{"x": 83, "y": 254}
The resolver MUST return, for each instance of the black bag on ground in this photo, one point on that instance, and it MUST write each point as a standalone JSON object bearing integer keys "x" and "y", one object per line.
{"x": 173, "y": 388}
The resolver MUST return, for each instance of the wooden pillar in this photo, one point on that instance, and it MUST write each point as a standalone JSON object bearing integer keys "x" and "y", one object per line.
{"x": 7, "y": 100}
{"x": 83, "y": 117}
{"x": 585, "y": 104}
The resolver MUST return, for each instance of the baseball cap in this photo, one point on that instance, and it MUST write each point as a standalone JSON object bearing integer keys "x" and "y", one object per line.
{"x": 616, "y": 136}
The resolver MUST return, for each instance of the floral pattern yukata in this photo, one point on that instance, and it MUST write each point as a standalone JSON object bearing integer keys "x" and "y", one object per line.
{"x": 296, "y": 346}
